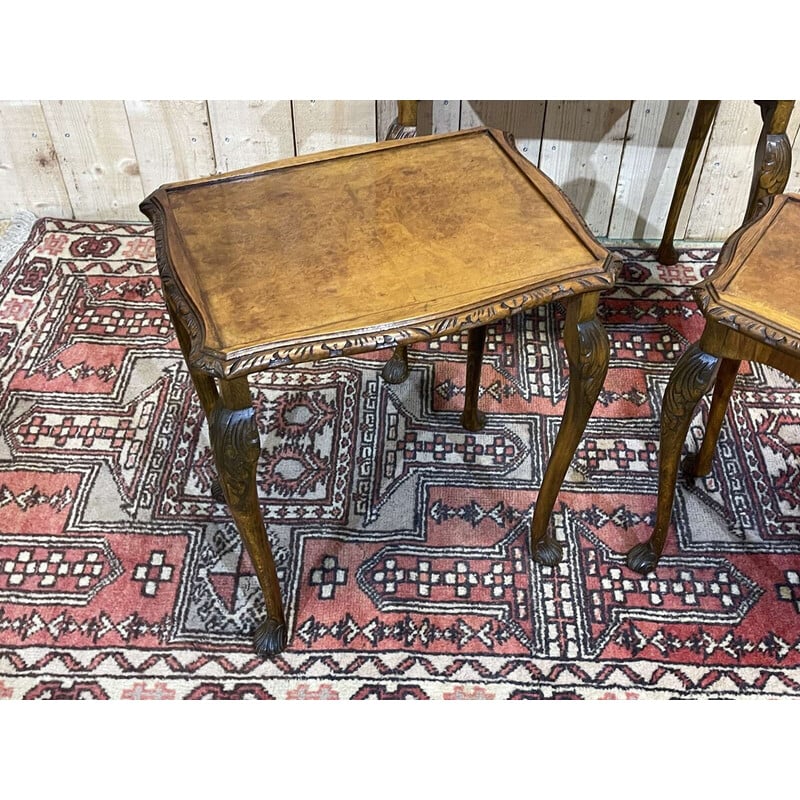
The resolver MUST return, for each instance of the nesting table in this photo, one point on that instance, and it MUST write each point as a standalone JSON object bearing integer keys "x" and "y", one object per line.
{"x": 751, "y": 314}
{"x": 364, "y": 248}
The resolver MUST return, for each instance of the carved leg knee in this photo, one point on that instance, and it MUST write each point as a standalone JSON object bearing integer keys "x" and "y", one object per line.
{"x": 236, "y": 445}
{"x": 723, "y": 388}
{"x": 773, "y": 159}
{"x": 587, "y": 348}
{"x": 690, "y": 380}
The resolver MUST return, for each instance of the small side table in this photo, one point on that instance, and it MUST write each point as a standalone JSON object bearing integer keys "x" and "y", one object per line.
{"x": 370, "y": 247}
{"x": 751, "y": 313}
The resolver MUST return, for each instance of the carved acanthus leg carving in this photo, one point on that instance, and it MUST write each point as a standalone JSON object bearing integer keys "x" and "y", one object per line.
{"x": 773, "y": 159}
{"x": 690, "y": 380}
{"x": 777, "y": 163}
{"x": 472, "y": 418}
{"x": 587, "y": 349}
{"x": 236, "y": 446}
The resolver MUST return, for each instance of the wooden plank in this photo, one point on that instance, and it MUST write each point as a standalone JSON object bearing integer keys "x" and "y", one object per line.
{"x": 30, "y": 175}
{"x": 445, "y": 116}
{"x": 44, "y": 170}
{"x": 328, "y": 124}
{"x": 438, "y": 116}
{"x": 386, "y": 114}
{"x": 523, "y": 118}
{"x": 654, "y": 147}
{"x": 691, "y": 194}
{"x": 171, "y": 139}
{"x": 93, "y": 142}
{"x": 724, "y": 186}
{"x": 582, "y": 150}
{"x": 249, "y": 132}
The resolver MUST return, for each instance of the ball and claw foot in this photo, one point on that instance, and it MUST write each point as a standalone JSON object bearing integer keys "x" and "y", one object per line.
{"x": 395, "y": 370}
{"x": 270, "y": 637}
{"x": 546, "y": 551}
{"x": 641, "y": 558}
{"x": 474, "y": 423}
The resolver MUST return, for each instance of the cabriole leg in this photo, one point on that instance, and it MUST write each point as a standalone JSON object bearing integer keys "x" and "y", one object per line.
{"x": 395, "y": 370}
{"x": 773, "y": 159}
{"x": 204, "y": 384}
{"x": 690, "y": 380}
{"x": 472, "y": 418}
{"x": 236, "y": 446}
{"x": 587, "y": 349}
{"x": 723, "y": 387}
{"x": 701, "y": 125}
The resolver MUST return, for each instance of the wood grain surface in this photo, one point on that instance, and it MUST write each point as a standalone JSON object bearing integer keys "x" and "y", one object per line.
{"x": 93, "y": 142}
{"x": 370, "y": 247}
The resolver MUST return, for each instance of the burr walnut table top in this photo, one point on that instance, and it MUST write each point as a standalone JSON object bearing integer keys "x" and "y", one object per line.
{"x": 366, "y": 247}
{"x": 750, "y": 288}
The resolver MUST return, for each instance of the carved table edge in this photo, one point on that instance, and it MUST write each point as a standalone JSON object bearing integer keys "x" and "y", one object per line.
{"x": 759, "y": 330}
{"x": 229, "y": 365}
{"x": 152, "y": 208}
{"x": 239, "y": 363}
{"x": 707, "y": 295}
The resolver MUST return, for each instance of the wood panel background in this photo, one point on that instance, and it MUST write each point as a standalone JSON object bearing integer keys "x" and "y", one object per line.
{"x": 617, "y": 160}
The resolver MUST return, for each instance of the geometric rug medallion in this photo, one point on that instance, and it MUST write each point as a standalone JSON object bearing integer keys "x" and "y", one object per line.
{"x": 401, "y": 540}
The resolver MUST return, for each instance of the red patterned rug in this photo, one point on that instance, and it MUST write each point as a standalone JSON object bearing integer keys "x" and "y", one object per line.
{"x": 401, "y": 539}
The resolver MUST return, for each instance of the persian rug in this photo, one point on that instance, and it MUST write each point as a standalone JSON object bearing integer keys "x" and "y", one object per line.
{"x": 401, "y": 540}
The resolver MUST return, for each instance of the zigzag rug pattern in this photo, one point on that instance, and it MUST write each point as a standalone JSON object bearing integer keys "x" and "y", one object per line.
{"x": 400, "y": 538}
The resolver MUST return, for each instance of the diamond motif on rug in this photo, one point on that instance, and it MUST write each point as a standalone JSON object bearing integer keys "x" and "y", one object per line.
{"x": 401, "y": 540}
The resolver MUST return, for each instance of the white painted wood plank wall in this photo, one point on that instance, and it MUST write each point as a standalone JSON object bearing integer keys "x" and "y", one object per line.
{"x": 617, "y": 160}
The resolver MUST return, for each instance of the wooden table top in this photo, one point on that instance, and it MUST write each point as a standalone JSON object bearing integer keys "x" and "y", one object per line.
{"x": 366, "y": 247}
{"x": 753, "y": 285}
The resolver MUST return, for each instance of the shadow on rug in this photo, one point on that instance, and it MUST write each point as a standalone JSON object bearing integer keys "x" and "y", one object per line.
{"x": 401, "y": 539}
